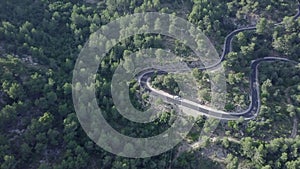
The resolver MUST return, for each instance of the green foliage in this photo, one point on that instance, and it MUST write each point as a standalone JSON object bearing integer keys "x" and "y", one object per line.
{"x": 40, "y": 42}
{"x": 166, "y": 83}
{"x": 193, "y": 160}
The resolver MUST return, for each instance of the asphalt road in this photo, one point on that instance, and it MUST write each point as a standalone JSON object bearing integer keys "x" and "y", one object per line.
{"x": 254, "y": 107}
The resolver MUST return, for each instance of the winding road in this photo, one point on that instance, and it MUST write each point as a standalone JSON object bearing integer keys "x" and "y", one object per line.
{"x": 254, "y": 107}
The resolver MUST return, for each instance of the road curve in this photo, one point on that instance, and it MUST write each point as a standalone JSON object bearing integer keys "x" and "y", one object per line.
{"x": 254, "y": 107}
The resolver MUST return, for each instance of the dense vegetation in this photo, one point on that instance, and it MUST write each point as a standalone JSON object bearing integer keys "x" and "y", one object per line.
{"x": 39, "y": 44}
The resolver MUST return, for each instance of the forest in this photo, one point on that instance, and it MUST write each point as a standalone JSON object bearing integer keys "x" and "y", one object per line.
{"x": 41, "y": 40}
